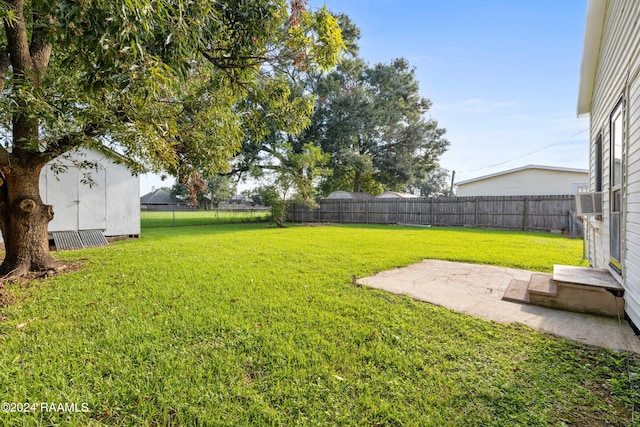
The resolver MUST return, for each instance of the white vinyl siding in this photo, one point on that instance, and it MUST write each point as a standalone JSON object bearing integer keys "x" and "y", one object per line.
{"x": 632, "y": 250}
{"x": 531, "y": 181}
{"x": 616, "y": 78}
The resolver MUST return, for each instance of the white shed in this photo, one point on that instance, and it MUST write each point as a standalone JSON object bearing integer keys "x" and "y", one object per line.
{"x": 111, "y": 204}
{"x": 396, "y": 195}
{"x": 609, "y": 92}
{"x": 531, "y": 180}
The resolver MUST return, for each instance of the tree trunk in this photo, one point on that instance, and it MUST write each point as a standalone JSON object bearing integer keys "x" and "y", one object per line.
{"x": 357, "y": 182}
{"x": 23, "y": 217}
{"x": 24, "y": 220}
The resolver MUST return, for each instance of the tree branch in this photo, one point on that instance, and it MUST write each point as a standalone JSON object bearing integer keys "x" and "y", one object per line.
{"x": 40, "y": 49}
{"x": 243, "y": 63}
{"x": 69, "y": 141}
{"x": 17, "y": 40}
{"x": 228, "y": 64}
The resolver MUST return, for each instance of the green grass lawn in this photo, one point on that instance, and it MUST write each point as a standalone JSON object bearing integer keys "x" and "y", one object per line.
{"x": 183, "y": 218}
{"x": 245, "y": 325}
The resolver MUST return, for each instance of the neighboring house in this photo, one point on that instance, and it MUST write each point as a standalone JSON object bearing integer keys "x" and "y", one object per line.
{"x": 609, "y": 93}
{"x": 110, "y": 204}
{"x": 396, "y": 195}
{"x": 531, "y": 180}
{"x": 340, "y": 194}
{"x": 239, "y": 201}
{"x": 161, "y": 200}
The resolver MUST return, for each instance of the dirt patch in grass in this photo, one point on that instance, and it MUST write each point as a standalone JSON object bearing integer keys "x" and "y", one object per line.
{"x": 64, "y": 268}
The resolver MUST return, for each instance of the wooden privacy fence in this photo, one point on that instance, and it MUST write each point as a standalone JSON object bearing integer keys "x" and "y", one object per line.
{"x": 543, "y": 213}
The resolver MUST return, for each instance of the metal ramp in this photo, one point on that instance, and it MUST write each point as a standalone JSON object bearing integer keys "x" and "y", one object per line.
{"x": 67, "y": 240}
{"x": 70, "y": 240}
{"x": 92, "y": 238}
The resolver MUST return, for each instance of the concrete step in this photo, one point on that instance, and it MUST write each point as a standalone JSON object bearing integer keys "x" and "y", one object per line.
{"x": 578, "y": 289}
{"x": 517, "y": 292}
{"x": 543, "y": 290}
{"x": 583, "y": 290}
{"x": 587, "y": 276}
{"x": 542, "y": 284}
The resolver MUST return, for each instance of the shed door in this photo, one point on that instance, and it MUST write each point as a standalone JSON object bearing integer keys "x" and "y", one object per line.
{"x": 92, "y": 207}
{"x": 61, "y": 192}
{"x": 76, "y": 206}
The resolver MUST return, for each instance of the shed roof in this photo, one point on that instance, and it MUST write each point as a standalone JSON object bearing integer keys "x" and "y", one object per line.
{"x": 522, "y": 168}
{"x": 160, "y": 197}
{"x": 596, "y": 10}
{"x": 396, "y": 195}
{"x": 341, "y": 194}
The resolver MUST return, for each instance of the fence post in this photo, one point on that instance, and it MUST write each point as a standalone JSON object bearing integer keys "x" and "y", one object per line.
{"x": 475, "y": 213}
{"x": 366, "y": 211}
{"x": 570, "y": 224}
{"x": 525, "y": 214}
{"x": 340, "y": 210}
{"x": 432, "y": 216}
{"x": 423, "y": 217}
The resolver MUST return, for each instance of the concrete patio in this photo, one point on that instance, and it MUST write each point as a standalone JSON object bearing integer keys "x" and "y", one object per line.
{"x": 477, "y": 290}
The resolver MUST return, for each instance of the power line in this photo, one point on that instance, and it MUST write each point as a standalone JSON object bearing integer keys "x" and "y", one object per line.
{"x": 562, "y": 141}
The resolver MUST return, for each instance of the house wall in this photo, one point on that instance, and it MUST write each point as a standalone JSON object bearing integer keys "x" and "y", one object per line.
{"x": 112, "y": 204}
{"x": 632, "y": 235}
{"x": 528, "y": 182}
{"x": 616, "y": 77}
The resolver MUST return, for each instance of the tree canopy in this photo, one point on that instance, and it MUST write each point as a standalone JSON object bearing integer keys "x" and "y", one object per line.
{"x": 374, "y": 124}
{"x": 159, "y": 81}
{"x": 205, "y": 192}
{"x": 435, "y": 184}
{"x": 369, "y": 121}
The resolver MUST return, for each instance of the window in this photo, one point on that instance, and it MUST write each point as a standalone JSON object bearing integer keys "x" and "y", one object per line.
{"x": 616, "y": 146}
{"x": 616, "y": 132}
{"x": 598, "y": 163}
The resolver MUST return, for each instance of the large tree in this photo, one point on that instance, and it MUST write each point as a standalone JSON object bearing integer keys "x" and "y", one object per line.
{"x": 276, "y": 150}
{"x": 375, "y": 125}
{"x": 156, "y": 80}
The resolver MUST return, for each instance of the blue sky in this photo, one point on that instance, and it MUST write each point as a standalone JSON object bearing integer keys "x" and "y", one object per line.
{"x": 502, "y": 75}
